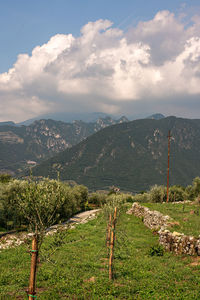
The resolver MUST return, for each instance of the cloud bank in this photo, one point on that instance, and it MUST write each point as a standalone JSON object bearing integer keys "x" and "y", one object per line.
{"x": 155, "y": 66}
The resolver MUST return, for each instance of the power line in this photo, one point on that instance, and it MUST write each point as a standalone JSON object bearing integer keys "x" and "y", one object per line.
{"x": 169, "y": 137}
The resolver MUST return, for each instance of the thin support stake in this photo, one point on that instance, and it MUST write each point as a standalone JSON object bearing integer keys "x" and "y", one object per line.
{"x": 32, "y": 280}
{"x": 112, "y": 240}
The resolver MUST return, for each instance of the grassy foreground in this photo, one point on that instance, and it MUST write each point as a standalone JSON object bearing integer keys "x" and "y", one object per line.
{"x": 188, "y": 216}
{"x": 80, "y": 270}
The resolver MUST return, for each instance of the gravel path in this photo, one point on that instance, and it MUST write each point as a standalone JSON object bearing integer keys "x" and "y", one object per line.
{"x": 84, "y": 216}
{"x": 13, "y": 240}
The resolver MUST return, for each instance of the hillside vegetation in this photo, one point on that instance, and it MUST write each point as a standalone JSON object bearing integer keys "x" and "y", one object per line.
{"x": 132, "y": 156}
{"x": 23, "y": 146}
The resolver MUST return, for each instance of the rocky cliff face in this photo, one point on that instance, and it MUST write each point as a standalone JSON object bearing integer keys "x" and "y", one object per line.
{"x": 10, "y": 138}
{"x": 44, "y": 138}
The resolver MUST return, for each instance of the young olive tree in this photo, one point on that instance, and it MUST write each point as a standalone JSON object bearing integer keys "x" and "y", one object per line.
{"x": 112, "y": 210}
{"x": 38, "y": 204}
{"x": 157, "y": 193}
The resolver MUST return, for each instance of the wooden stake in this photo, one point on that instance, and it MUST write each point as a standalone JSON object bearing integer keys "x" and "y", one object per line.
{"x": 32, "y": 280}
{"x": 112, "y": 240}
{"x": 108, "y": 233}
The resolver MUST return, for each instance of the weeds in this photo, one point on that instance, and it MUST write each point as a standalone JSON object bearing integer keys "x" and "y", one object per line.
{"x": 156, "y": 250}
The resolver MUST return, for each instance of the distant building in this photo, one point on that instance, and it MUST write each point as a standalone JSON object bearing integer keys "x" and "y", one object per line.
{"x": 31, "y": 162}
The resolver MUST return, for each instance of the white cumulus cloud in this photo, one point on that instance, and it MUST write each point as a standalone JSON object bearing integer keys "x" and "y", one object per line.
{"x": 106, "y": 69}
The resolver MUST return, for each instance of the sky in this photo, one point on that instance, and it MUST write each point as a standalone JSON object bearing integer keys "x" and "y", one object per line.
{"x": 118, "y": 57}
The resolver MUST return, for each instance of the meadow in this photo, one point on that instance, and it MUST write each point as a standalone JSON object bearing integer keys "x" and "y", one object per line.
{"x": 186, "y": 214}
{"x": 74, "y": 263}
{"x": 79, "y": 267}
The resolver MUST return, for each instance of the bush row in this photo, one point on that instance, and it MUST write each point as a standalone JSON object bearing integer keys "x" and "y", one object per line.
{"x": 176, "y": 193}
{"x": 21, "y": 201}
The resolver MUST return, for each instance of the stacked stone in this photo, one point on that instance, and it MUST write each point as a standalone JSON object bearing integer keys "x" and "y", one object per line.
{"x": 152, "y": 219}
{"x": 179, "y": 243}
{"x": 181, "y": 202}
{"x": 175, "y": 242}
{"x": 137, "y": 210}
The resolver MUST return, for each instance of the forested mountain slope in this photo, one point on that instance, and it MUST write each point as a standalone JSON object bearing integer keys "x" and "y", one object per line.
{"x": 23, "y": 146}
{"x": 131, "y": 155}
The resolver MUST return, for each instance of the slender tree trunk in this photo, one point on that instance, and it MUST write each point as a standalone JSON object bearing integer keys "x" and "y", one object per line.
{"x": 112, "y": 241}
{"x": 32, "y": 280}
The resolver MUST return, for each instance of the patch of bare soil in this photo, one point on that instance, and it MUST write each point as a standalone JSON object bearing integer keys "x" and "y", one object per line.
{"x": 92, "y": 279}
{"x": 174, "y": 223}
{"x": 195, "y": 261}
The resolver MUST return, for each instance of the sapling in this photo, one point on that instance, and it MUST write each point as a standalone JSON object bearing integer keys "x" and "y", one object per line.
{"x": 198, "y": 204}
{"x": 39, "y": 204}
{"x": 112, "y": 211}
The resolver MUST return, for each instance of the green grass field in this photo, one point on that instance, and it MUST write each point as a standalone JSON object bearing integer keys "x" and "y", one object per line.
{"x": 79, "y": 269}
{"x": 186, "y": 214}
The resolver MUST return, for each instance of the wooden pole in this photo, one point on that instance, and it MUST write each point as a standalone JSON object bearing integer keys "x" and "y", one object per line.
{"x": 169, "y": 136}
{"x": 108, "y": 233}
{"x": 112, "y": 240}
{"x": 32, "y": 280}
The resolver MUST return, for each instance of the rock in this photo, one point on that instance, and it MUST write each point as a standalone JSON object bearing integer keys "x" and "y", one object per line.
{"x": 176, "y": 233}
{"x": 176, "y": 241}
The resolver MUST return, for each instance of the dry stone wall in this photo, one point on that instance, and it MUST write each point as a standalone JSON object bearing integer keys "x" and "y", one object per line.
{"x": 151, "y": 219}
{"x": 171, "y": 241}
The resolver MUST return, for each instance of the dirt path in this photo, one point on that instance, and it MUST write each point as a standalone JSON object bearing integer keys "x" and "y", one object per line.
{"x": 84, "y": 216}
{"x": 80, "y": 218}
{"x": 13, "y": 240}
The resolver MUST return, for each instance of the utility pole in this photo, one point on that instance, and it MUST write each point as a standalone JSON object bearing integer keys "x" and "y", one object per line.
{"x": 169, "y": 137}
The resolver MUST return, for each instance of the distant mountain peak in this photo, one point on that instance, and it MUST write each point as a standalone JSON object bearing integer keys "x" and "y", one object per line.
{"x": 123, "y": 119}
{"x": 7, "y": 123}
{"x": 156, "y": 116}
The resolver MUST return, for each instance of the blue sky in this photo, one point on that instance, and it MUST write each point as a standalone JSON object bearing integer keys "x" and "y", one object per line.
{"x": 120, "y": 57}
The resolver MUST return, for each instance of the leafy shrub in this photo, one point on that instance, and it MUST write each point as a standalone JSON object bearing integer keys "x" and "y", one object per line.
{"x": 156, "y": 250}
{"x": 144, "y": 197}
{"x": 177, "y": 193}
{"x": 157, "y": 193}
{"x": 101, "y": 198}
{"x": 189, "y": 192}
{"x": 4, "y": 178}
{"x": 128, "y": 197}
{"x": 114, "y": 200}
{"x": 196, "y": 186}
{"x": 75, "y": 201}
{"x": 193, "y": 191}
{"x": 97, "y": 199}
{"x": 41, "y": 203}
{"x": 80, "y": 192}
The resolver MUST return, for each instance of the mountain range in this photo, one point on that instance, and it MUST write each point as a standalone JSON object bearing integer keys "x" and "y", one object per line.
{"x": 131, "y": 155}
{"x": 24, "y": 146}
{"x": 69, "y": 117}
